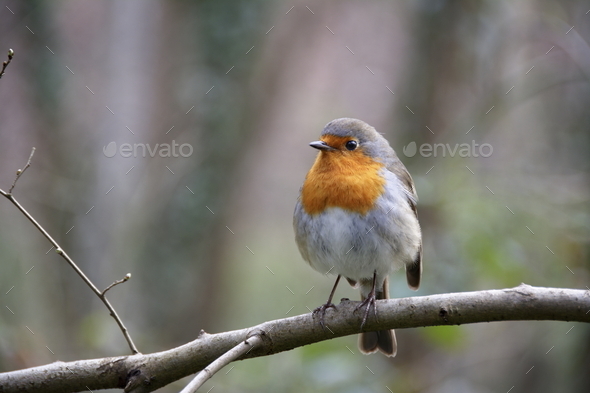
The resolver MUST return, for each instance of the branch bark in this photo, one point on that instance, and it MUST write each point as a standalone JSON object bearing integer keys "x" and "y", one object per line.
{"x": 146, "y": 373}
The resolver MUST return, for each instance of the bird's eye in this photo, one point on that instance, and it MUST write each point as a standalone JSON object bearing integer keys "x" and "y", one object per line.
{"x": 351, "y": 145}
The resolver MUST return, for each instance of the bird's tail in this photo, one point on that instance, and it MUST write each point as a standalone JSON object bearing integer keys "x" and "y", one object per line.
{"x": 382, "y": 340}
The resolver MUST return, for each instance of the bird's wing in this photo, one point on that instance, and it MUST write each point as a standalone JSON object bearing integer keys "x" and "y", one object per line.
{"x": 413, "y": 269}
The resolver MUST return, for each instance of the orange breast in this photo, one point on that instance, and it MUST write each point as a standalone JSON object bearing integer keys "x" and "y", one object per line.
{"x": 348, "y": 180}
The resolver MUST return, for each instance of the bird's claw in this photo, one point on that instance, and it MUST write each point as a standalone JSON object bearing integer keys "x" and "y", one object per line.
{"x": 321, "y": 310}
{"x": 368, "y": 302}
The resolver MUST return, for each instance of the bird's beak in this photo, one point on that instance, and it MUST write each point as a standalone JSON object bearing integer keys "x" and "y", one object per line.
{"x": 321, "y": 145}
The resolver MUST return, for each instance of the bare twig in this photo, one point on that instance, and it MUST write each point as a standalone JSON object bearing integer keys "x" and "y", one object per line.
{"x": 126, "y": 278}
{"x": 222, "y": 361}
{"x": 20, "y": 172}
{"x": 523, "y": 303}
{"x": 7, "y": 62}
{"x": 67, "y": 258}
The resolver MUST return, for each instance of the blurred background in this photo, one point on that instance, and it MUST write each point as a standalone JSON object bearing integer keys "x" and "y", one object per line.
{"x": 244, "y": 87}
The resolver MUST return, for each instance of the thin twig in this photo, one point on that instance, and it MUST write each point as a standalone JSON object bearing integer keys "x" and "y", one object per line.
{"x": 20, "y": 172}
{"x": 7, "y": 62}
{"x": 126, "y": 278}
{"x": 69, "y": 260}
{"x": 222, "y": 361}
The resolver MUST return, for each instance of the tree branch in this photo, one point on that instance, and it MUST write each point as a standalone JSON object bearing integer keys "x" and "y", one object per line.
{"x": 228, "y": 357}
{"x": 69, "y": 260}
{"x": 146, "y": 373}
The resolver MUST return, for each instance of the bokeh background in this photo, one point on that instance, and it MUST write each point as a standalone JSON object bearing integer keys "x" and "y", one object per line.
{"x": 208, "y": 238}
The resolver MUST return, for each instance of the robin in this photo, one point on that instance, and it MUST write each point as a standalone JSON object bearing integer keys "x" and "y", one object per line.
{"x": 356, "y": 218}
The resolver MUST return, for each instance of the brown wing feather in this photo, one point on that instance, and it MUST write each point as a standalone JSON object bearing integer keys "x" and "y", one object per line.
{"x": 413, "y": 270}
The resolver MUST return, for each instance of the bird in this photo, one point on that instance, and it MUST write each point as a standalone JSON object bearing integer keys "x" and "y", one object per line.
{"x": 356, "y": 218}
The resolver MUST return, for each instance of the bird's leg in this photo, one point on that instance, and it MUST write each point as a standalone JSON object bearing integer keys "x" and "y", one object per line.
{"x": 369, "y": 301}
{"x": 322, "y": 309}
